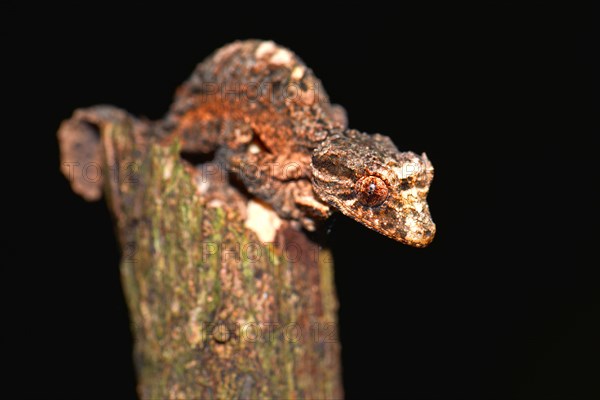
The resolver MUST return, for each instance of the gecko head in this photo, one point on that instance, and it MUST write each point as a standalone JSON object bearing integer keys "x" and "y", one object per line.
{"x": 368, "y": 179}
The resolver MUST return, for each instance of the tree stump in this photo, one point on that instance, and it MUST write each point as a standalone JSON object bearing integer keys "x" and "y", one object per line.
{"x": 216, "y": 311}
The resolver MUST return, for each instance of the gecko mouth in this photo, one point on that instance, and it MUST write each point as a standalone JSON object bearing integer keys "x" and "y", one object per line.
{"x": 410, "y": 224}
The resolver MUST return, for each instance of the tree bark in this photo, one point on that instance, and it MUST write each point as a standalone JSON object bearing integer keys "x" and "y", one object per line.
{"x": 216, "y": 312}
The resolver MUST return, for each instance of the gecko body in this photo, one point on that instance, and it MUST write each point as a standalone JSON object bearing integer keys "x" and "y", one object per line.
{"x": 269, "y": 122}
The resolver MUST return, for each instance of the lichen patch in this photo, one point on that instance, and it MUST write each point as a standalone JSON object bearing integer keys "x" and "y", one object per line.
{"x": 263, "y": 220}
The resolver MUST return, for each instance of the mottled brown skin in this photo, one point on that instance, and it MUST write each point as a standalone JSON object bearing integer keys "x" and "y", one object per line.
{"x": 368, "y": 179}
{"x": 271, "y": 124}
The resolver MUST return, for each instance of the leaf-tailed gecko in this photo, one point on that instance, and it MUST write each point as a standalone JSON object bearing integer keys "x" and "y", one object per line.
{"x": 269, "y": 121}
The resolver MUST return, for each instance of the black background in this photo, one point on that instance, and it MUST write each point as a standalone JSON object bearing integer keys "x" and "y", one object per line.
{"x": 504, "y": 304}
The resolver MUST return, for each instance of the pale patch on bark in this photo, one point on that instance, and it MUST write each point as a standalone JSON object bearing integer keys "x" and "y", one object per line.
{"x": 262, "y": 220}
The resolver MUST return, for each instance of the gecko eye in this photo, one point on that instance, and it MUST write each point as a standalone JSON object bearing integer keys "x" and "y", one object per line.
{"x": 371, "y": 191}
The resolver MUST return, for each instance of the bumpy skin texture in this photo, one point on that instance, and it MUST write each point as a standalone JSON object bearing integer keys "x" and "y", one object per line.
{"x": 271, "y": 124}
{"x": 368, "y": 179}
